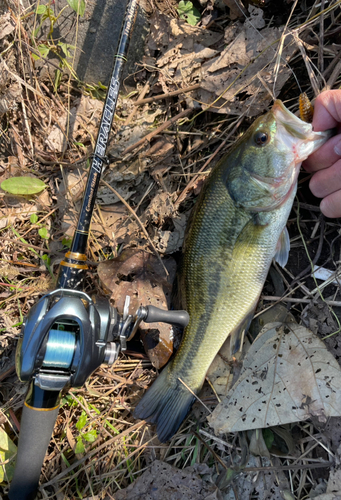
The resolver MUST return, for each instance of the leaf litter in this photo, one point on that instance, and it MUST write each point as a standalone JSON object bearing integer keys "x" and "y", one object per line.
{"x": 288, "y": 375}
{"x": 226, "y": 64}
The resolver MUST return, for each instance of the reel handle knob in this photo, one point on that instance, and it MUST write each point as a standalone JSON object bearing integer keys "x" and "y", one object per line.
{"x": 156, "y": 315}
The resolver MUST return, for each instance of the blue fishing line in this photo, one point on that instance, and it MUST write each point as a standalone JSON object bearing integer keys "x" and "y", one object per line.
{"x": 59, "y": 349}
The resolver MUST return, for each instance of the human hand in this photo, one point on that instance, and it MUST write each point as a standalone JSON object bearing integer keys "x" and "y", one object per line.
{"x": 326, "y": 161}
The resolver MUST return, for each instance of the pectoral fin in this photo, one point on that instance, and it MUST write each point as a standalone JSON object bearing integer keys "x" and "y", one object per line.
{"x": 283, "y": 247}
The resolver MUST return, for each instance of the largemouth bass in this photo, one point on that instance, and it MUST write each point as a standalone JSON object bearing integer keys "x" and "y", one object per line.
{"x": 238, "y": 227}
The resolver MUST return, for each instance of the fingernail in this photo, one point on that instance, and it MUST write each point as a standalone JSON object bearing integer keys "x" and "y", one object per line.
{"x": 337, "y": 148}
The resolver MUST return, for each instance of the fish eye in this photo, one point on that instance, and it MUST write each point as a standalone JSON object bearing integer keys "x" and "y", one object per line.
{"x": 261, "y": 138}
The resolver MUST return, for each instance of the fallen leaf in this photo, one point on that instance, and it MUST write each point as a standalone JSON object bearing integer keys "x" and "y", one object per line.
{"x": 8, "y": 451}
{"x": 11, "y": 214}
{"x": 23, "y": 185}
{"x": 246, "y": 66}
{"x": 288, "y": 375}
{"x": 167, "y": 242}
{"x": 317, "y": 316}
{"x": 162, "y": 481}
{"x": 237, "y": 9}
{"x": 258, "y": 447}
{"x": 7, "y": 25}
{"x": 140, "y": 275}
{"x": 81, "y": 122}
{"x": 266, "y": 485}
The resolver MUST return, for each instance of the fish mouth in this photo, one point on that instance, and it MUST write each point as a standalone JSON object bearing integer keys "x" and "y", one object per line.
{"x": 294, "y": 136}
{"x": 292, "y": 123}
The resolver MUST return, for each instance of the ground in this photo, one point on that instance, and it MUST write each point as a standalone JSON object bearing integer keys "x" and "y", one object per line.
{"x": 193, "y": 93}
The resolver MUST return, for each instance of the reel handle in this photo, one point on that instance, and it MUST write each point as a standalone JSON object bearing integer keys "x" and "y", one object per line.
{"x": 155, "y": 315}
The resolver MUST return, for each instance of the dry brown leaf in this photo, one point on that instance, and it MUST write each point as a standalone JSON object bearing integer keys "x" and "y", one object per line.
{"x": 82, "y": 123}
{"x": 124, "y": 177}
{"x": 183, "y": 48}
{"x": 11, "y": 214}
{"x": 288, "y": 375}
{"x": 245, "y": 45}
{"x": 140, "y": 275}
{"x": 7, "y": 25}
{"x": 159, "y": 209}
{"x": 162, "y": 481}
{"x": 236, "y": 7}
{"x": 168, "y": 242}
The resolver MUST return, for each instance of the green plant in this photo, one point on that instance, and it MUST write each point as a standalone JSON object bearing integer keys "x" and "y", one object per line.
{"x": 61, "y": 49}
{"x": 42, "y": 231}
{"x": 67, "y": 242}
{"x": 89, "y": 436}
{"x": 188, "y": 12}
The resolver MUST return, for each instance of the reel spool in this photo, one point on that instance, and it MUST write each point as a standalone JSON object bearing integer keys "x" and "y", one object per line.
{"x": 60, "y": 349}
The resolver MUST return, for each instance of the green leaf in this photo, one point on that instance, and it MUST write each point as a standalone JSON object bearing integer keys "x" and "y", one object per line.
{"x": 82, "y": 420}
{"x": 67, "y": 242}
{"x": 188, "y": 12}
{"x": 46, "y": 259}
{"x": 90, "y": 436}
{"x": 66, "y": 48}
{"x": 268, "y": 437}
{"x": 8, "y": 450}
{"x": 68, "y": 399}
{"x": 78, "y": 6}
{"x": 34, "y": 218}
{"x": 43, "y": 50}
{"x": 23, "y": 185}
{"x": 43, "y": 233}
{"x": 41, "y": 9}
{"x": 79, "y": 446}
{"x": 57, "y": 79}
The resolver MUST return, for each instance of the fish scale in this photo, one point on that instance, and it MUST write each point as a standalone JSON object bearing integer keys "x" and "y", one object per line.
{"x": 238, "y": 227}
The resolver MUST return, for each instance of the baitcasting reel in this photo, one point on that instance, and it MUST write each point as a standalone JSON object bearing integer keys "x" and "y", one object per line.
{"x": 67, "y": 335}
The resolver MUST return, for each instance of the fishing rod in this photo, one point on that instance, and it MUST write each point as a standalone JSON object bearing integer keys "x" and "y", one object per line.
{"x": 67, "y": 334}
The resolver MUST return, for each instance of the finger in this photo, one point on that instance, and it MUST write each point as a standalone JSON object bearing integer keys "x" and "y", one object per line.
{"x": 325, "y": 156}
{"x": 326, "y": 182}
{"x": 327, "y": 110}
{"x": 331, "y": 205}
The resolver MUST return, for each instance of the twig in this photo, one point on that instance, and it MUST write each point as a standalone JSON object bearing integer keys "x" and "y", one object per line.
{"x": 169, "y": 94}
{"x": 215, "y": 438}
{"x": 162, "y": 127}
{"x": 28, "y": 245}
{"x": 321, "y": 41}
{"x": 334, "y": 76}
{"x": 193, "y": 393}
{"x": 7, "y": 373}
{"x": 143, "y": 93}
{"x": 217, "y": 457}
{"x": 272, "y": 298}
{"x": 316, "y": 256}
{"x": 139, "y": 223}
{"x": 288, "y": 467}
{"x": 189, "y": 186}
{"x": 91, "y": 453}
{"x": 37, "y": 53}
{"x": 20, "y": 80}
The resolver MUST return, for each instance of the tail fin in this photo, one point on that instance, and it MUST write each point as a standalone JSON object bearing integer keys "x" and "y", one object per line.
{"x": 166, "y": 404}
